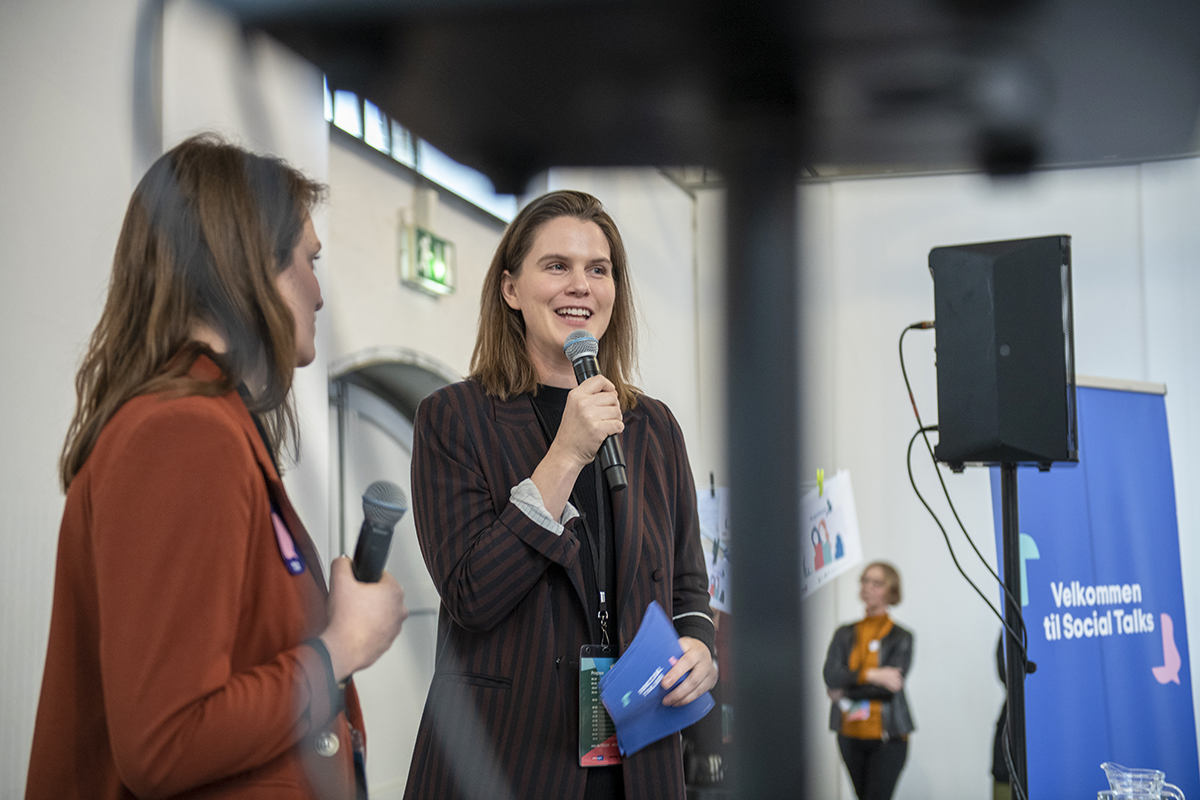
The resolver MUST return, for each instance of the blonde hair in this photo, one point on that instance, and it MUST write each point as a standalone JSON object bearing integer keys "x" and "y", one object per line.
{"x": 890, "y": 576}
{"x": 207, "y": 230}
{"x": 500, "y": 361}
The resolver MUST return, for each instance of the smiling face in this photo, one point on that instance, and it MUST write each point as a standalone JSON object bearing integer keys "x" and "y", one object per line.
{"x": 564, "y": 284}
{"x": 300, "y": 290}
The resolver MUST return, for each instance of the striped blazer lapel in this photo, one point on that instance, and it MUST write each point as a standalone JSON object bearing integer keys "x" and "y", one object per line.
{"x": 627, "y": 511}
{"x": 517, "y": 413}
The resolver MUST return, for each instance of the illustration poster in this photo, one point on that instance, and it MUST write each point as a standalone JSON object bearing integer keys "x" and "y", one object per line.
{"x": 829, "y": 542}
{"x": 713, "y": 507}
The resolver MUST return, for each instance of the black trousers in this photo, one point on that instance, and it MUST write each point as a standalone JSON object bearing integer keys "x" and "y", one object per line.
{"x": 874, "y": 765}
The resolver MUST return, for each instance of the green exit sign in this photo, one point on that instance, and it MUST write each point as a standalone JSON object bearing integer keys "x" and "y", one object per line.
{"x": 427, "y": 261}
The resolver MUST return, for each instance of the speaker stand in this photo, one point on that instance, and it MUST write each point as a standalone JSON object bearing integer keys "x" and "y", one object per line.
{"x": 1014, "y": 665}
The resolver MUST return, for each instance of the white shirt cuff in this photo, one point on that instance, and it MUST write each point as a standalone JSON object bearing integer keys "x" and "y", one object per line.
{"x": 525, "y": 496}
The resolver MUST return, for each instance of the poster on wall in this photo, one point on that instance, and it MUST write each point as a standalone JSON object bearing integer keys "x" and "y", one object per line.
{"x": 829, "y": 543}
{"x": 713, "y": 508}
{"x": 1103, "y": 604}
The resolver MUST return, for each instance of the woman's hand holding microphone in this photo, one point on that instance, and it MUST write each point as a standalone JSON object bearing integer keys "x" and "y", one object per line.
{"x": 364, "y": 618}
{"x": 593, "y": 413}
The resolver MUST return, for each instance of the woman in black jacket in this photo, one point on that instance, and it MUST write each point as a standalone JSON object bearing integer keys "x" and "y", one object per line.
{"x": 865, "y": 670}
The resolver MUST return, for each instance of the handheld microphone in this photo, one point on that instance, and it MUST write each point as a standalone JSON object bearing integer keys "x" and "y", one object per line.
{"x": 581, "y": 347}
{"x": 384, "y": 504}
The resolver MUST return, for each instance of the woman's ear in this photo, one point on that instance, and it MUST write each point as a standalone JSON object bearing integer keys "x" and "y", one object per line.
{"x": 508, "y": 290}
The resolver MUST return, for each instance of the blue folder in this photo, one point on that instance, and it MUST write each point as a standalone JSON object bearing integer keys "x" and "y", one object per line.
{"x": 632, "y": 689}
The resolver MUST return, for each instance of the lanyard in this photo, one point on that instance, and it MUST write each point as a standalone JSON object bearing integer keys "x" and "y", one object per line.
{"x": 247, "y": 398}
{"x": 595, "y": 542}
{"x": 293, "y": 559}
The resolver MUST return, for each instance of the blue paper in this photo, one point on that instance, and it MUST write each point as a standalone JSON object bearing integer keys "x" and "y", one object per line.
{"x": 632, "y": 690}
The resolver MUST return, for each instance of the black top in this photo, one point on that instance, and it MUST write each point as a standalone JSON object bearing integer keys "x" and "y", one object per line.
{"x": 551, "y": 401}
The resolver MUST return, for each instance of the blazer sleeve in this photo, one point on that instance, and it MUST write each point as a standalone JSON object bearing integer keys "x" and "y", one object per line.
{"x": 691, "y": 611}
{"x": 901, "y": 655}
{"x": 868, "y": 691}
{"x": 170, "y": 534}
{"x": 837, "y": 672}
{"x": 483, "y": 562}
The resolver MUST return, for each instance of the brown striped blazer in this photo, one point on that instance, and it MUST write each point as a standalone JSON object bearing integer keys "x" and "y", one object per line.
{"x": 502, "y": 716}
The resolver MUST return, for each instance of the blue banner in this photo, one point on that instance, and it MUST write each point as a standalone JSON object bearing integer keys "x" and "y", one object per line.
{"x": 1103, "y": 594}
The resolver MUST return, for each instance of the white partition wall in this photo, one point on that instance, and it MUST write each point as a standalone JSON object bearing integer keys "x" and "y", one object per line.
{"x": 64, "y": 182}
{"x": 1134, "y": 244}
{"x": 66, "y": 84}
{"x": 377, "y": 440}
{"x": 257, "y": 94}
{"x": 1171, "y": 268}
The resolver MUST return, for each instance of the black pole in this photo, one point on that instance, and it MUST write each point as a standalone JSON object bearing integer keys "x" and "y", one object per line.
{"x": 763, "y": 385}
{"x": 1014, "y": 664}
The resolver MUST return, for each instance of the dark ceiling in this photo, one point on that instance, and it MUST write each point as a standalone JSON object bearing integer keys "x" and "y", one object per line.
{"x": 514, "y": 86}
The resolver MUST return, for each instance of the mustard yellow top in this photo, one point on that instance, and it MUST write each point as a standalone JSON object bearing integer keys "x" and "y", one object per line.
{"x": 862, "y": 658}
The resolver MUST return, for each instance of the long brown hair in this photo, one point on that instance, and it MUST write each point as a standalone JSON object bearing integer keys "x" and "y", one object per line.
{"x": 500, "y": 361}
{"x": 207, "y": 230}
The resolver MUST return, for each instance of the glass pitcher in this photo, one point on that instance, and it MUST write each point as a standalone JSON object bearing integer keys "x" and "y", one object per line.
{"x": 1137, "y": 784}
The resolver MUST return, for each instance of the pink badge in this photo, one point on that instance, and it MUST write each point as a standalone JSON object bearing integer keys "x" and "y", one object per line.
{"x": 287, "y": 547}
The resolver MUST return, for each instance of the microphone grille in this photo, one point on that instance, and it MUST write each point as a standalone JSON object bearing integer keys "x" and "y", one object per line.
{"x": 579, "y": 344}
{"x": 384, "y": 503}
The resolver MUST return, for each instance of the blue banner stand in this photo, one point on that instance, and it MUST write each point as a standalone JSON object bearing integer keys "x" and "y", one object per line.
{"x": 1102, "y": 590}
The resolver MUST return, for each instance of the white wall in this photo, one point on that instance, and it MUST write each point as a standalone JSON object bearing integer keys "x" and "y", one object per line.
{"x": 64, "y": 181}
{"x": 259, "y": 95}
{"x": 866, "y": 243}
{"x": 366, "y": 304}
{"x": 66, "y": 74}
{"x": 1171, "y": 252}
{"x": 708, "y": 452}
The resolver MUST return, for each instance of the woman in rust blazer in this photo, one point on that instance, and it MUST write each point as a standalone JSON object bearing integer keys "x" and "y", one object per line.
{"x": 495, "y": 460}
{"x": 194, "y": 648}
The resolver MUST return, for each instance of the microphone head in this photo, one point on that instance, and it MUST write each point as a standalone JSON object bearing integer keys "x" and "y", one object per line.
{"x": 384, "y": 503}
{"x": 580, "y": 344}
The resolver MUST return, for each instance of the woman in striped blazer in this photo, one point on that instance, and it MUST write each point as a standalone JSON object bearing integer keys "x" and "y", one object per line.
{"x": 532, "y": 555}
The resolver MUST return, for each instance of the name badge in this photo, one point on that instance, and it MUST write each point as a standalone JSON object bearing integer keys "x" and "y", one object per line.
{"x": 855, "y": 710}
{"x": 287, "y": 546}
{"x": 597, "y": 734}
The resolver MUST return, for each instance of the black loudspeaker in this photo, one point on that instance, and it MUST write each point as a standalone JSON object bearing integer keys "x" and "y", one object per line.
{"x": 1005, "y": 352}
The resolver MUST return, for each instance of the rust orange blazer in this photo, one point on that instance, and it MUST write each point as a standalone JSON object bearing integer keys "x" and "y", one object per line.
{"x": 502, "y": 717}
{"x": 176, "y": 665}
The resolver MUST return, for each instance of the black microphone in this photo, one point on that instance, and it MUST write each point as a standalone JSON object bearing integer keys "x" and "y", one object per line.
{"x": 383, "y": 505}
{"x": 581, "y": 347}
